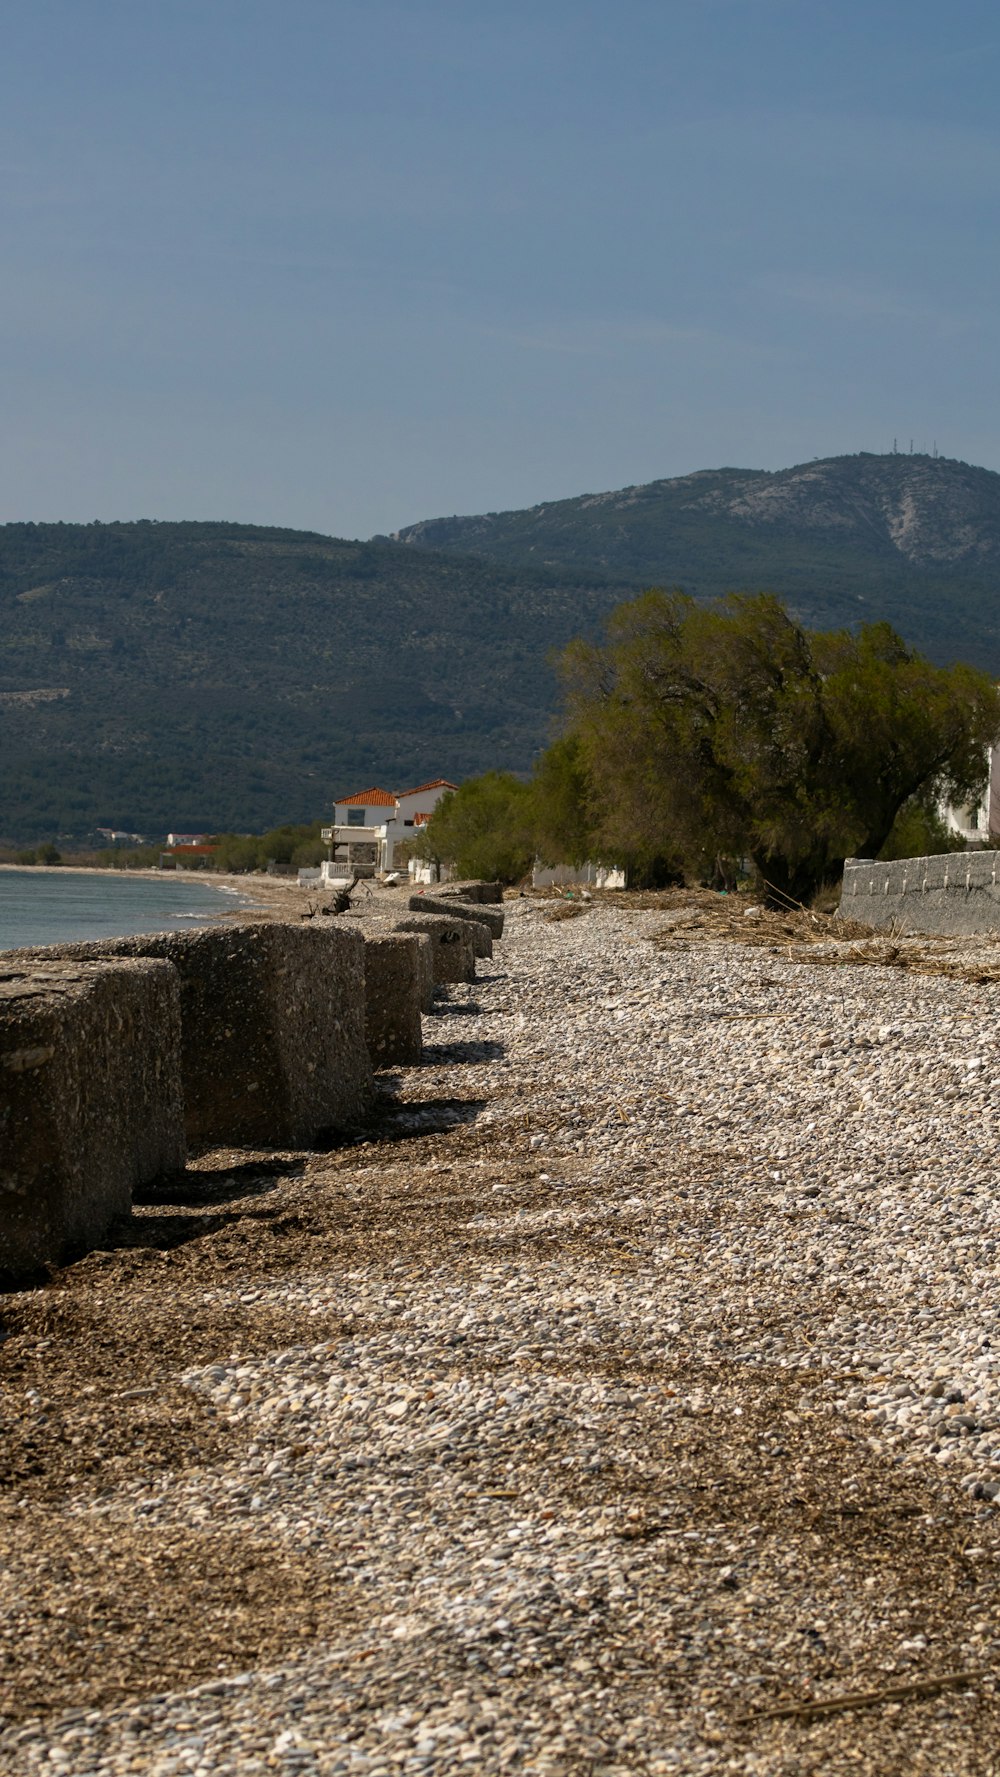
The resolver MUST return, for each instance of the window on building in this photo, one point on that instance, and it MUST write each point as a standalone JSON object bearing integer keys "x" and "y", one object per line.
{"x": 355, "y": 817}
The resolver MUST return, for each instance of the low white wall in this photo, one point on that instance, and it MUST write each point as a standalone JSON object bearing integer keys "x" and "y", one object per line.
{"x": 577, "y": 876}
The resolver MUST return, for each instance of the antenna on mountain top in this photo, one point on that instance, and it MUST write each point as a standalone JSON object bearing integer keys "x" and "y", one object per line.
{"x": 935, "y": 451}
{"x": 911, "y": 447}
{"x": 895, "y": 447}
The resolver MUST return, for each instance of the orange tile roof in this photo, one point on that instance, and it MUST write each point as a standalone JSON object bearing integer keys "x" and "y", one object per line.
{"x": 438, "y": 783}
{"x": 367, "y": 799}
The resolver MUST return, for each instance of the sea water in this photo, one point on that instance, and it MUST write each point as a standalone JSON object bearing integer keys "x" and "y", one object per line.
{"x": 66, "y": 906}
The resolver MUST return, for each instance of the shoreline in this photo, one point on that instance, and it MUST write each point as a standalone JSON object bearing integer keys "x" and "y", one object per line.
{"x": 208, "y": 878}
{"x": 233, "y": 898}
{"x": 272, "y": 889}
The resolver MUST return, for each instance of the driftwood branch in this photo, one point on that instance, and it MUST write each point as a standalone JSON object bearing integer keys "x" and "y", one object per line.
{"x": 917, "y": 1687}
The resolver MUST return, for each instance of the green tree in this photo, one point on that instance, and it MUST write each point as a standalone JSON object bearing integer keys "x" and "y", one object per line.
{"x": 723, "y": 730}
{"x": 309, "y": 853}
{"x": 919, "y": 832}
{"x": 560, "y": 804}
{"x": 237, "y": 853}
{"x": 290, "y": 845}
{"x": 484, "y": 828}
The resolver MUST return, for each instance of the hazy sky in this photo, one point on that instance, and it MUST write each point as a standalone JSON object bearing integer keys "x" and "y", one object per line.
{"x": 348, "y": 263}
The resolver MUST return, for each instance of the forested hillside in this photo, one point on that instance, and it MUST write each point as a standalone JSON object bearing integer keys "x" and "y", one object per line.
{"x": 206, "y": 676}
{"x": 203, "y": 676}
{"x": 913, "y": 539}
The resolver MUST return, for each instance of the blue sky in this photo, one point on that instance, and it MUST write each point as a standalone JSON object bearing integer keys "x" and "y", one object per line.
{"x": 344, "y": 264}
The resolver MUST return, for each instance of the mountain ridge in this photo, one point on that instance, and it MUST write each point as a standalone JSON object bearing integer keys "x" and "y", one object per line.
{"x": 198, "y": 676}
{"x": 897, "y": 498}
{"x": 914, "y": 540}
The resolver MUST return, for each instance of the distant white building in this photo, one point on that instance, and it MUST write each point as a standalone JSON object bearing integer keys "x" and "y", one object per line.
{"x": 117, "y": 836}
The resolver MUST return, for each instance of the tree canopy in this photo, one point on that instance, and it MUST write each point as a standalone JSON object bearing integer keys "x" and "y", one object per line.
{"x": 484, "y": 828}
{"x": 730, "y": 730}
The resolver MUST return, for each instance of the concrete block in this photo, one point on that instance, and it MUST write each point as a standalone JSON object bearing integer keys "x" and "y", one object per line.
{"x": 91, "y": 1105}
{"x": 454, "y": 958}
{"x": 485, "y": 893}
{"x": 394, "y": 993}
{"x": 272, "y": 1028}
{"x": 454, "y": 908}
{"x": 482, "y": 938}
{"x": 425, "y": 968}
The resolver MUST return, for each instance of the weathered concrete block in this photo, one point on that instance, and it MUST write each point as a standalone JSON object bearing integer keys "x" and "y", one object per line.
{"x": 394, "y": 991}
{"x": 451, "y": 944}
{"x": 482, "y": 941}
{"x": 425, "y": 962}
{"x": 482, "y": 938}
{"x": 91, "y": 1106}
{"x": 272, "y": 1028}
{"x": 474, "y": 890}
{"x": 453, "y": 908}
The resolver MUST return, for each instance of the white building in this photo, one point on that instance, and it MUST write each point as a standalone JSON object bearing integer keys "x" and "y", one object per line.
{"x": 977, "y": 823}
{"x": 368, "y": 825}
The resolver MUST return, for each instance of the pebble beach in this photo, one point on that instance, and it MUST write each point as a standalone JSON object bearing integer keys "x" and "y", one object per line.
{"x": 627, "y": 1400}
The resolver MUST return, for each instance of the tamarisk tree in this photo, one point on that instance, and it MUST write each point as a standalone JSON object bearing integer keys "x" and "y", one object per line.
{"x": 729, "y": 730}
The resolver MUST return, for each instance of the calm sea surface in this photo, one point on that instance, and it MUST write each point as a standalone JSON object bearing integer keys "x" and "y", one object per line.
{"x": 58, "y": 906}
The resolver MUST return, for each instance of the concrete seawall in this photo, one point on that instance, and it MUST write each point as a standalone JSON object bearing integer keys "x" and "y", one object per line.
{"x": 954, "y": 894}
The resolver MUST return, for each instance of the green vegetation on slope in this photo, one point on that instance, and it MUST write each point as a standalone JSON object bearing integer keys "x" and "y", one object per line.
{"x": 210, "y": 677}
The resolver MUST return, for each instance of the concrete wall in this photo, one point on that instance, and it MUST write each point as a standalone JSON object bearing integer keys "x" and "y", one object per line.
{"x": 482, "y": 937}
{"x": 91, "y": 1104}
{"x": 273, "y": 1027}
{"x": 394, "y": 994}
{"x": 954, "y": 893}
{"x": 417, "y": 870}
{"x": 452, "y": 953}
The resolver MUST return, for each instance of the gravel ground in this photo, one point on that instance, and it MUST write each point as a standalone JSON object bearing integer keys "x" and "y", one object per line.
{"x": 640, "y": 1374}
